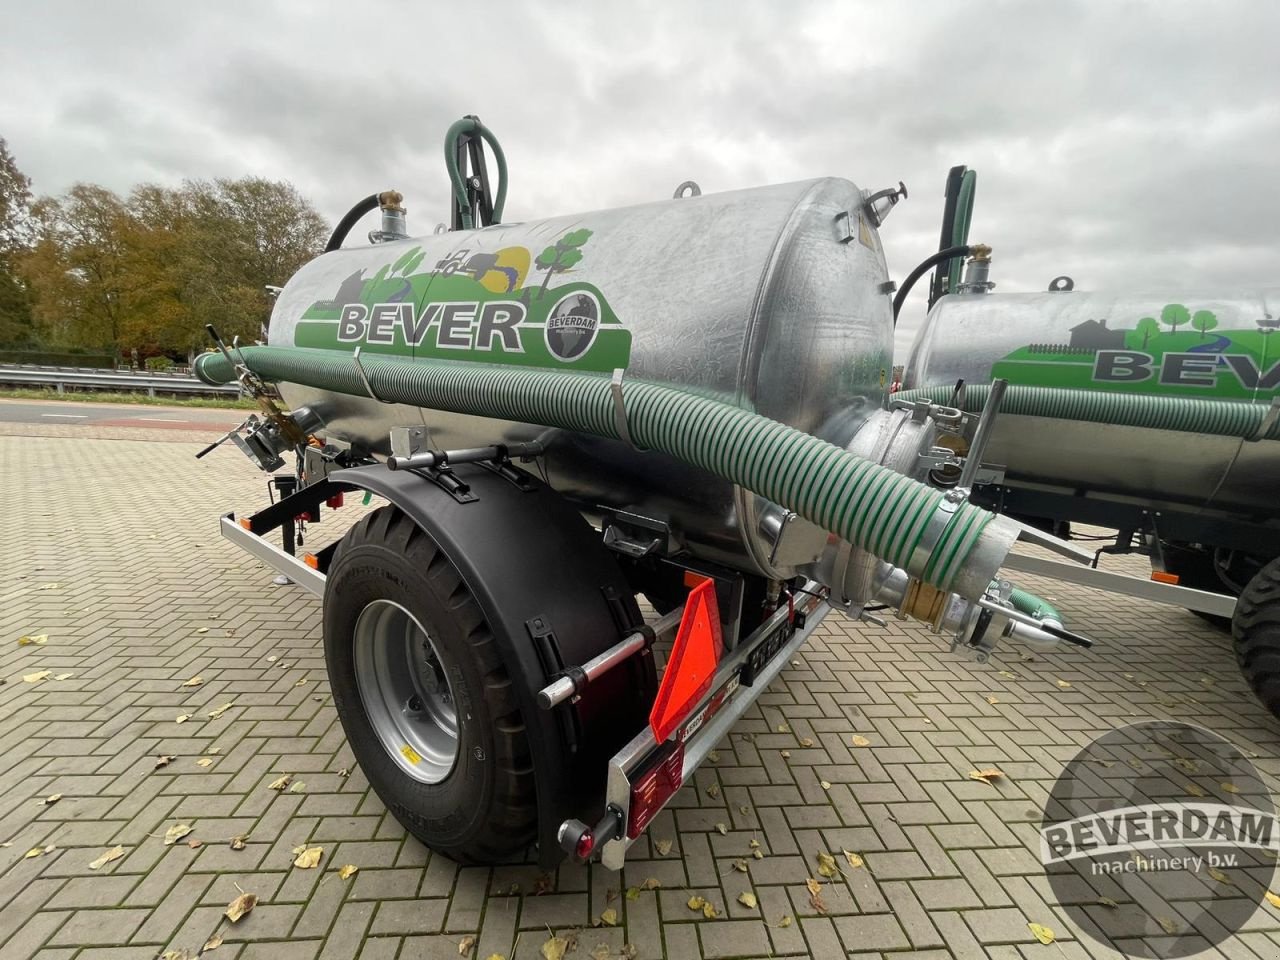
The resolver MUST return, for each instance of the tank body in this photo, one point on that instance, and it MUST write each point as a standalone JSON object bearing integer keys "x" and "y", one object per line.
{"x": 771, "y": 298}
{"x": 1207, "y": 346}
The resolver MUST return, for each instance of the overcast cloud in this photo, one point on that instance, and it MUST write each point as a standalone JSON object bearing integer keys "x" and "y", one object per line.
{"x": 1131, "y": 145}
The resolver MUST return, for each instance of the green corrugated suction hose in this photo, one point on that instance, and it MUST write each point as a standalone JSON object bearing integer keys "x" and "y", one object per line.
{"x": 1034, "y": 606}
{"x": 960, "y": 228}
{"x": 872, "y": 507}
{"x": 468, "y": 125}
{"x": 1226, "y": 418}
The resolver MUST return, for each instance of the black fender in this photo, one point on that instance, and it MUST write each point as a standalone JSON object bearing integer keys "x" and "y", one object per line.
{"x": 554, "y": 597}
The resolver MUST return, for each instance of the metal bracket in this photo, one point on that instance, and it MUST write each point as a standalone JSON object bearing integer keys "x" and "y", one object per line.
{"x": 1267, "y": 423}
{"x": 620, "y": 410}
{"x": 365, "y": 377}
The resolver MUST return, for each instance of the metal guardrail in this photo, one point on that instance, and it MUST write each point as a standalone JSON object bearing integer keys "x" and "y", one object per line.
{"x": 124, "y": 380}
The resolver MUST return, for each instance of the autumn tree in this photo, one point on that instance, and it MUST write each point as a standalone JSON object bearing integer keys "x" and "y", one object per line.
{"x": 1204, "y": 321}
{"x": 564, "y": 255}
{"x": 15, "y": 232}
{"x": 1174, "y": 315}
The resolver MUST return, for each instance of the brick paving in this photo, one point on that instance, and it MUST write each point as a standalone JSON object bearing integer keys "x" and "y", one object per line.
{"x": 110, "y": 548}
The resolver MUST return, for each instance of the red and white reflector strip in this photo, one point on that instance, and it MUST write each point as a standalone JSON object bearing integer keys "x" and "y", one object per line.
{"x": 691, "y": 667}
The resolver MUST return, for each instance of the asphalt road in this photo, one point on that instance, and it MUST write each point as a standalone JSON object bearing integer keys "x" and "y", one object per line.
{"x": 119, "y": 415}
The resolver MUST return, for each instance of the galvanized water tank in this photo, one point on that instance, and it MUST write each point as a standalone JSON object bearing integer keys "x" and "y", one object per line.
{"x": 772, "y": 297}
{"x": 1185, "y": 344}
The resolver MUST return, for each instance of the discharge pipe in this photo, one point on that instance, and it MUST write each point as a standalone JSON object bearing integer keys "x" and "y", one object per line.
{"x": 945, "y": 541}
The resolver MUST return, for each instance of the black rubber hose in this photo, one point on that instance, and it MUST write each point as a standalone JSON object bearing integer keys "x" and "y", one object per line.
{"x": 367, "y": 205}
{"x": 942, "y": 256}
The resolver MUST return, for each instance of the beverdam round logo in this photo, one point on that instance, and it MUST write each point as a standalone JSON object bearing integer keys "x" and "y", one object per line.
{"x": 1160, "y": 839}
{"x": 572, "y": 325}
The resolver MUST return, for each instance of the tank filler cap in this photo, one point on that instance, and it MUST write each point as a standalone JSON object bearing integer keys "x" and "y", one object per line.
{"x": 689, "y": 188}
{"x": 1063, "y": 284}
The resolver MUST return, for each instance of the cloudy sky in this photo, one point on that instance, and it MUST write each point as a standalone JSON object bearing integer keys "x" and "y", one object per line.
{"x": 1130, "y": 145}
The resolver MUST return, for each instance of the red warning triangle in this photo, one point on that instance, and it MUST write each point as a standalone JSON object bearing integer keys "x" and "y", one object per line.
{"x": 692, "y": 664}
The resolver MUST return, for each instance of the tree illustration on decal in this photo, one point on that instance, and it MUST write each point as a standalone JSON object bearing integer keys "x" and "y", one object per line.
{"x": 1174, "y": 315}
{"x": 561, "y": 257}
{"x": 1148, "y": 327}
{"x": 1204, "y": 321}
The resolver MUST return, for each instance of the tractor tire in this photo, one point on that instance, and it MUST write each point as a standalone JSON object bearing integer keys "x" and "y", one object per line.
{"x": 1256, "y": 631}
{"x": 423, "y": 695}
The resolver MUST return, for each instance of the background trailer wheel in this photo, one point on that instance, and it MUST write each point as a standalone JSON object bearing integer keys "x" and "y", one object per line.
{"x": 443, "y": 618}
{"x": 1256, "y": 630}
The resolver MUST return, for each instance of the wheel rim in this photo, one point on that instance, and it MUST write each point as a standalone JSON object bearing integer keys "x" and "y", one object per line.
{"x": 405, "y": 691}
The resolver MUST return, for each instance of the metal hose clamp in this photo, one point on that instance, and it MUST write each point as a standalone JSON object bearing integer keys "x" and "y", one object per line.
{"x": 365, "y": 377}
{"x": 946, "y": 510}
{"x": 620, "y": 410}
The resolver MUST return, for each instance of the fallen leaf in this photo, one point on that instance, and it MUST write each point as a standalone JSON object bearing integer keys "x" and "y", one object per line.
{"x": 992, "y": 700}
{"x": 51, "y": 799}
{"x": 176, "y": 955}
{"x": 214, "y": 750}
{"x": 663, "y": 847}
{"x": 758, "y": 854}
{"x": 38, "y": 639}
{"x": 815, "y": 888}
{"x": 748, "y": 899}
{"x": 309, "y": 858}
{"x": 194, "y": 682}
{"x": 650, "y": 883}
{"x": 176, "y": 833}
{"x": 806, "y": 742}
{"x": 695, "y": 903}
{"x": 495, "y": 956}
{"x": 825, "y": 784}
{"x": 182, "y": 718}
{"x": 1041, "y": 933}
{"x": 205, "y": 762}
{"x": 297, "y": 787}
{"x": 722, "y": 829}
{"x": 744, "y": 809}
{"x": 601, "y": 952}
{"x": 633, "y": 893}
{"x": 37, "y": 677}
{"x": 301, "y": 683}
{"x": 545, "y": 883}
{"x": 1167, "y": 925}
{"x": 1186, "y": 764}
{"x": 1008, "y": 675}
{"x": 754, "y": 843}
{"x": 1272, "y": 898}
{"x": 238, "y": 842}
{"x": 713, "y": 791}
{"x": 1230, "y": 788}
{"x": 1107, "y": 902}
{"x": 827, "y": 865}
{"x": 213, "y": 943}
{"x": 740, "y": 865}
{"x": 115, "y": 853}
{"x": 786, "y": 754}
{"x": 860, "y": 741}
{"x": 272, "y": 659}
{"x": 216, "y": 712}
{"x": 1220, "y": 876}
{"x": 51, "y": 586}
{"x": 280, "y": 783}
{"x": 785, "y": 921}
{"x": 36, "y": 851}
{"x": 347, "y": 871}
{"x": 709, "y": 911}
{"x": 783, "y": 728}
{"x": 714, "y": 756}
{"x": 344, "y": 773}
{"x": 855, "y": 861}
{"x": 195, "y": 844}
{"x": 609, "y": 918}
{"x": 986, "y": 776}
{"x": 554, "y": 949}
{"x": 202, "y": 630}
{"x": 240, "y": 906}
{"x": 64, "y": 676}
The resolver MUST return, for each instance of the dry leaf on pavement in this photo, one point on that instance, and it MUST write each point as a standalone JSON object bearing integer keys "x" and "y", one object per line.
{"x": 1272, "y": 898}
{"x": 213, "y": 943}
{"x": 465, "y": 945}
{"x": 860, "y": 741}
{"x": 1041, "y": 933}
{"x": 216, "y": 712}
{"x": 609, "y": 918}
{"x": 51, "y": 799}
{"x": 1064, "y": 684}
{"x": 722, "y": 829}
{"x": 815, "y": 887}
{"x": 37, "y": 677}
{"x": 240, "y": 906}
{"x": 205, "y": 762}
{"x": 115, "y": 853}
{"x": 986, "y": 776}
{"x": 38, "y": 639}
{"x": 347, "y": 871}
{"x": 182, "y": 718}
{"x": 554, "y": 949}
{"x": 748, "y": 899}
{"x": 64, "y": 676}
{"x": 740, "y": 865}
{"x": 855, "y": 861}
{"x": 194, "y": 682}
{"x": 297, "y": 787}
{"x": 308, "y": 857}
{"x": 176, "y": 833}
{"x": 664, "y": 847}
{"x": 281, "y": 783}
{"x": 238, "y": 842}
{"x": 827, "y": 865}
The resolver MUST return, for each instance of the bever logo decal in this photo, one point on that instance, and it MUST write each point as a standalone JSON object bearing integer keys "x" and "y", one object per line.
{"x": 458, "y": 326}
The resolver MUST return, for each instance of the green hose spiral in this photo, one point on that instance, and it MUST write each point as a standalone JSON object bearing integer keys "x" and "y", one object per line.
{"x": 1226, "y": 418}
{"x": 1034, "y": 606}
{"x": 872, "y": 507}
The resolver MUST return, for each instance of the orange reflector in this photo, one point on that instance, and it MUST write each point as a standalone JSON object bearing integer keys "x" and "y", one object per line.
{"x": 692, "y": 579}
{"x": 692, "y": 664}
{"x": 244, "y": 522}
{"x": 311, "y": 560}
{"x": 1161, "y": 577}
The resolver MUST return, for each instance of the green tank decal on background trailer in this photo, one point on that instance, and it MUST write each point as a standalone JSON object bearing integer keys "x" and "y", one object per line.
{"x": 475, "y": 305}
{"x": 1181, "y": 352}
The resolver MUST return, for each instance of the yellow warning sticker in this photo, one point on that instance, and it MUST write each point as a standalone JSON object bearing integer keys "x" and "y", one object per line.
{"x": 411, "y": 754}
